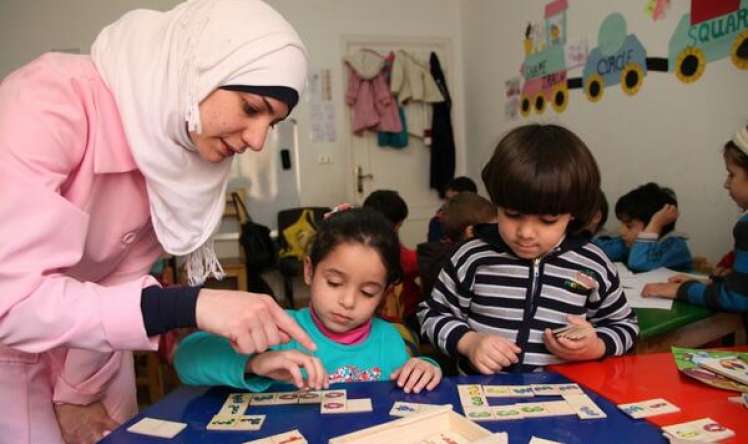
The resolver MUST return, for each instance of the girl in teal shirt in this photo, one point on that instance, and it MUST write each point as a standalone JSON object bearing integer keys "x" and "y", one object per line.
{"x": 354, "y": 259}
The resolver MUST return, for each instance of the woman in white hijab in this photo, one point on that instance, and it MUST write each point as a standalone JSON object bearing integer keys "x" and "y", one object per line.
{"x": 105, "y": 162}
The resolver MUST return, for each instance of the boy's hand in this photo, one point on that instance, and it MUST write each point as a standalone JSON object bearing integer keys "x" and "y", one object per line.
{"x": 661, "y": 290}
{"x": 721, "y": 271}
{"x": 588, "y": 346}
{"x": 488, "y": 353}
{"x": 417, "y": 374}
{"x": 286, "y": 366}
{"x": 664, "y": 216}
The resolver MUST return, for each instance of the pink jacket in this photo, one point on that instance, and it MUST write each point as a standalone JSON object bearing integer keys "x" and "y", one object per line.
{"x": 76, "y": 245}
{"x": 372, "y": 104}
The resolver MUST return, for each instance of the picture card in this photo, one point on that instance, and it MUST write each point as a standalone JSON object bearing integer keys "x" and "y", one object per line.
{"x": 705, "y": 429}
{"x": 237, "y": 423}
{"x": 650, "y": 407}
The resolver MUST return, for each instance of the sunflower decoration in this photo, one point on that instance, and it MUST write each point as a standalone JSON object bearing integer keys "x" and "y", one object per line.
{"x": 632, "y": 78}
{"x": 690, "y": 64}
{"x": 739, "y": 50}
{"x": 594, "y": 86}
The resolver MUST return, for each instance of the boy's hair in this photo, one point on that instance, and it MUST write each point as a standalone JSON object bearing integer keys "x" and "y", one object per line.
{"x": 359, "y": 225}
{"x": 463, "y": 210}
{"x": 389, "y": 203}
{"x": 733, "y": 154}
{"x": 643, "y": 202}
{"x": 461, "y": 184}
{"x": 544, "y": 169}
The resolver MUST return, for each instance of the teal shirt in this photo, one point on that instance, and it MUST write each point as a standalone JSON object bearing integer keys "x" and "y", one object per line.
{"x": 207, "y": 359}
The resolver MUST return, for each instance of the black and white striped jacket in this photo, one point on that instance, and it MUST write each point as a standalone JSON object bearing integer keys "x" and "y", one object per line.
{"x": 485, "y": 287}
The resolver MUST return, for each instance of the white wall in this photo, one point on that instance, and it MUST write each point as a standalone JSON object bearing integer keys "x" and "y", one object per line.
{"x": 28, "y": 28}
{"x": 670, "y": 132}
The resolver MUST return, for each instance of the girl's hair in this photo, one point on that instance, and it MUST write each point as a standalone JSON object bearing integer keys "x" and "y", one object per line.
{"x": 643, "y": 202}
{"x": 463, "y": 210}
{"x": 544, "y": 169}
{"x": 733, "y": 154}
{"x": 359, "y": 225}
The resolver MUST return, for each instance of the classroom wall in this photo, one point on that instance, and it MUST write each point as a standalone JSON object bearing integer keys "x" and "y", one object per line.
{"x": 28, "y": 28}
{"x": 670, "y": 132}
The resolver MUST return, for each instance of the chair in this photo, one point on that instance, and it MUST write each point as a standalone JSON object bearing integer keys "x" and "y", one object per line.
{"x": 296, "y": 228}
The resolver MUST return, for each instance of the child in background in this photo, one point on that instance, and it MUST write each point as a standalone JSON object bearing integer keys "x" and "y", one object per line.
{"x": 455, "y": 186}
{"x": 460, "y": 215}
{"x": 353, "y": 261}
{"x": 599, "y": 217}
{"x": 402, "y": 300}
{"x": 729, "y": 293}
{"x": 648, "y": 214}
{"x": 495, "y": 302}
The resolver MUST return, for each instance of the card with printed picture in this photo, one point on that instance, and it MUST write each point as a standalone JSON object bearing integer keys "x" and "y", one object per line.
{"x": 310, "y": 397}
{"x": 508, "y": 391}
{"x": 261, "y": 399}
{"x": 650, "y": 407}
{"x": 705, "y": 429}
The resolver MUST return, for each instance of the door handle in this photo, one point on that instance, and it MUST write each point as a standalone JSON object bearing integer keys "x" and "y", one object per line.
{"x": 360, "y": 176}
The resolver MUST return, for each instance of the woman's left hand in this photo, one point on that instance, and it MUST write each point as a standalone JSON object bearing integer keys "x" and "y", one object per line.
{"x": 417, "y": 374}
{"x": 587, "y": 346}
{"x": 84, "y": 424}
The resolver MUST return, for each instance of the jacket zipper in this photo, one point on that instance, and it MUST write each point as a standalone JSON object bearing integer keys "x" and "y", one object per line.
{"x": 530, "y": 306}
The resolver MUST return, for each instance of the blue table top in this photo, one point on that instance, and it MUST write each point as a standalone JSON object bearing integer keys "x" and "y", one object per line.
{"x": 197, "y": 405}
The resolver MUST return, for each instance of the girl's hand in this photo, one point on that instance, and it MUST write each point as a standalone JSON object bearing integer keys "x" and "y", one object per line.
{"x": 589, "y": 346}
{"x": 286, "y": 366}
{"x": 488, "y": 353}
{"x": 417, "y": 374}
{"x": 84, "y": 424}
{"x": 661, "y": 290}
{"x": 251, "y": 322}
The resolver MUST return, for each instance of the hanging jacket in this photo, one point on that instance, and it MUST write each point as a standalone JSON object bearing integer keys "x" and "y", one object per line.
{"x": 371, "y": 102}
{"x": 415, "y": 89}
{"x": 442, "y": 166}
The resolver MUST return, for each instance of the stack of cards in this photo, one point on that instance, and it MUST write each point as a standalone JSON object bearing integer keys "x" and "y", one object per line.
{"x": 730, "y": 367}
{"x": 651, "y": 407}
{"x": 572, "y": 331}
{"x": 157, "y": 427}
{"x": 701, "y": 430}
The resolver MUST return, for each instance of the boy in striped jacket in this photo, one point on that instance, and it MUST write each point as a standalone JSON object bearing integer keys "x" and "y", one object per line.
{"x": 499, "y": 297}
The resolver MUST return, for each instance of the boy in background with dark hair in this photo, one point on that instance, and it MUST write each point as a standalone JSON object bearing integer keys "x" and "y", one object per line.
{"x": 454, "y": 187}
{"x": 460, "y": 215}
{"x": 402, "y": 303}
{"x": 647, "y": 241}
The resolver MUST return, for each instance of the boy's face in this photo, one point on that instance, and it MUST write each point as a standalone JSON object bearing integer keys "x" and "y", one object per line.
{"x": 630, "y": 229}
{"x": 531, "y": 235}
{"x": 737, "y": 184}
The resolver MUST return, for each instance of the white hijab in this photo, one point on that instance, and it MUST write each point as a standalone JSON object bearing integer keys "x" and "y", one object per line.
{"x": 160, "y": 66}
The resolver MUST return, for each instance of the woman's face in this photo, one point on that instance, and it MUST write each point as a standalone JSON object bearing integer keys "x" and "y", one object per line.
{"x": 233, "y": 121}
